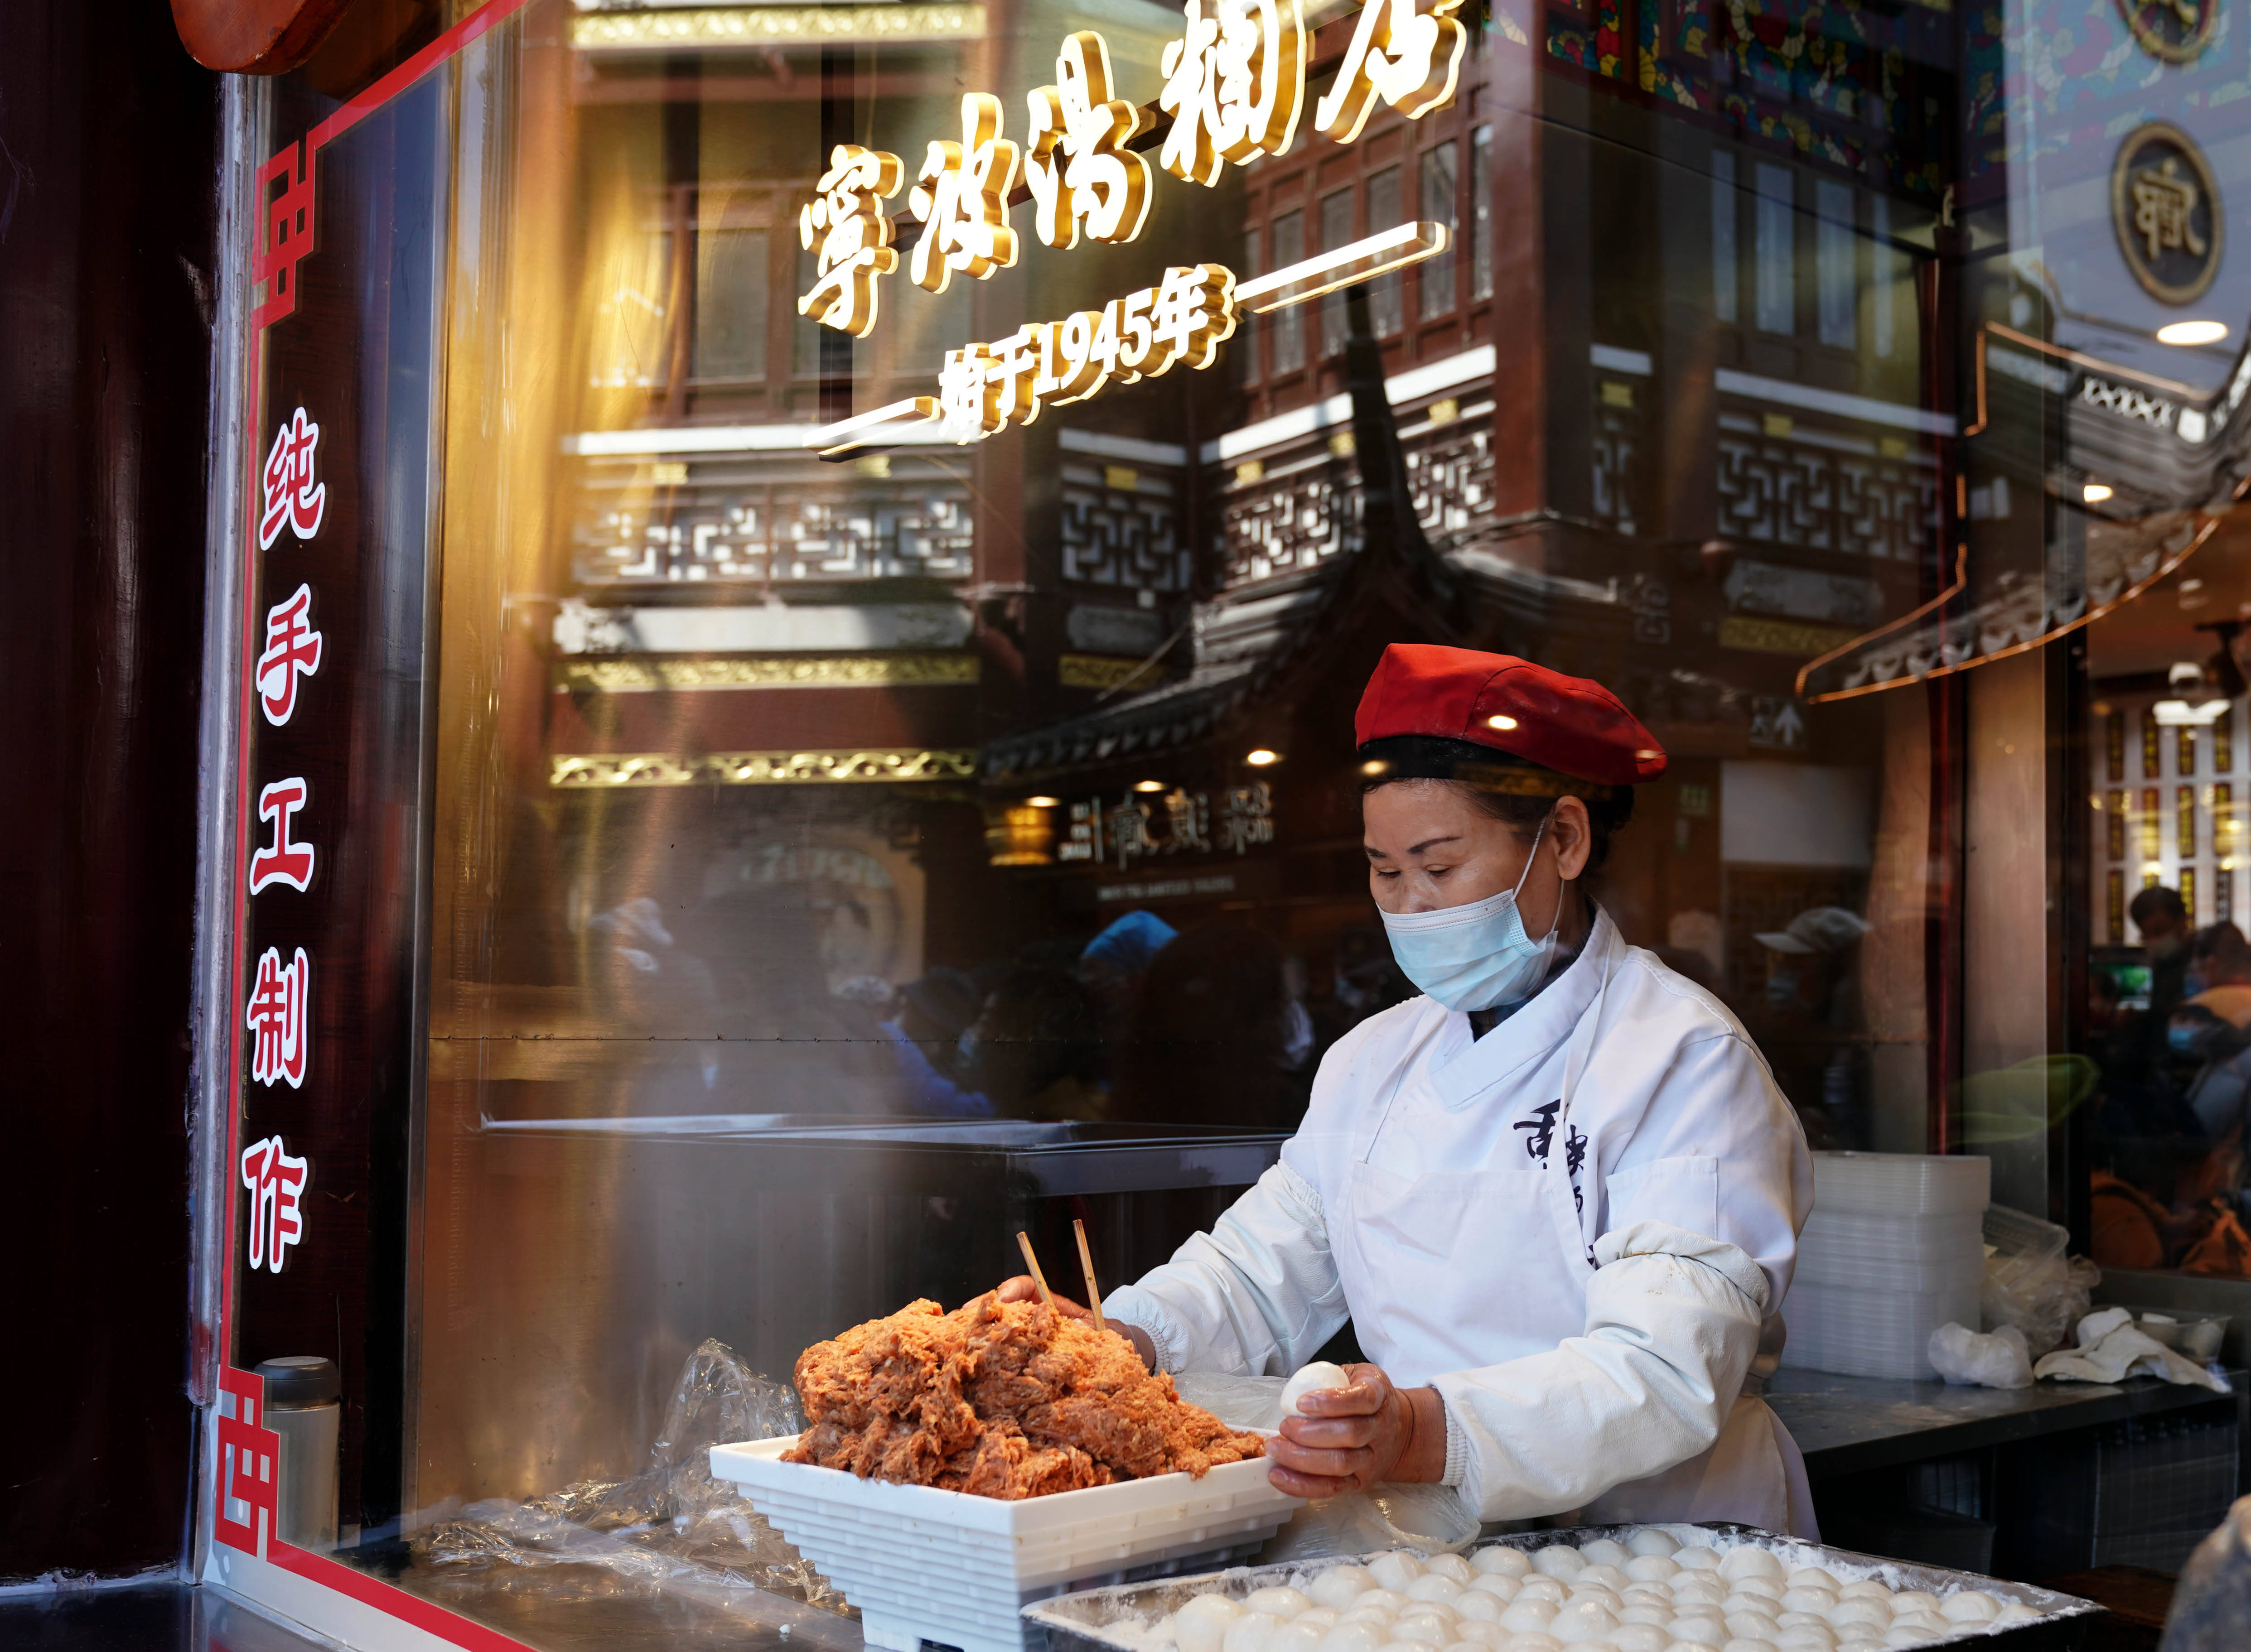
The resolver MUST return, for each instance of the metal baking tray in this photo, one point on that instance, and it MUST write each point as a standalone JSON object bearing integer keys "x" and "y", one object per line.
{"x": 1081, "y": 1622}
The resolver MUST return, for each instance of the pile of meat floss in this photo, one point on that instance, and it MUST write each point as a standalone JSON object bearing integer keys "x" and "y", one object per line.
{"x": 1001, "y": 1399}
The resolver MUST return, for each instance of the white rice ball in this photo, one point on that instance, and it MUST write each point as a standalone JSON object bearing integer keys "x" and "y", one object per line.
{"x": 1758, "y": 1583}
{"x": 1396, "y": 1568}
{"x": 1381, "y": 1616}
{"x": 1449, "y": 1565}
{"x": 1326, "y": 1617}
{"x": 1540, "y": 1586}
{"x": 1602, "y": 1595}
{"x": 1502, "y": 1560}
{"x": 1801, "y": 1598}
{"x": 1645, "y": 1612}
{"x": 1763, "y": 1606}
{"x": 1916, "y": 1627}
{"x": 1295, "y": 1634}
{"x": 1402, "y": 1646}
{"x": 1693, "y": 1645}
{"x": 1248, "y": 1632}
{"x": 1859, "y": 1608}
{"x": 1558, "y": 1560}
{"x": 1498, "y": 1585}
{"x": 1747, "y": 1643}
{"x": 1535, "y": 1641}
{"x": 1751, "y": 1625}
{"x": 2015, "y": 1612}
{"x": 1533, "y": 1614}
{"x": 1350, "y": 1636}
{"x": 1908, "y": 1601}
{"x": 1866, "y": 1589}
{"x": 1806, "y": 1637}
{"x": 1652, "y": 1568}
{"x": 1422, "y": 1629}
{"x": 1321, "y": 1374}
{"x": 1653, "y": 1542}
{"x": 1603, "y": 1571}
{"x": 1433, "y": 1585}
{"x": 1697, "y": 1586}
{"x": 1813, "y": 1577}
{"x": 1200, "y": 1626}
{"x": 1477, "y": 1606}
{"x": 1583, "y": 1621}
{"x": 1340, "y": 1586}
{"x": 1281, "y": 1601}
{"x": 1745, "y": 1561}
{"x": 1605, "y": 1552}
{"x": 1699, "y": 1629}
{"x": 1696, "y": 1558}
{"x": 1972, "y": 1605}
{"x": 1639, "y": 1637}
{"x": 1390, "y": 1600}
{"x": 1478, "y": 1632}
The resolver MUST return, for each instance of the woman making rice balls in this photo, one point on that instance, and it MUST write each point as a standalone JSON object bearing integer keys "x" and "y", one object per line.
{"x": 1558, "y": 1195}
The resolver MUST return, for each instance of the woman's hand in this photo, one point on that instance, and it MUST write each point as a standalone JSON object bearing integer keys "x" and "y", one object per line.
{"x": 1022, "y": 1288}
{"x": 1348, "y": 1439}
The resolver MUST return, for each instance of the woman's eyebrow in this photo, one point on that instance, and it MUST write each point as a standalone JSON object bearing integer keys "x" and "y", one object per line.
{"x": 1375, "y": 854}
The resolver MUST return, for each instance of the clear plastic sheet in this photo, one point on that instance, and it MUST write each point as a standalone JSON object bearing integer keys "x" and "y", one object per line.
{"x": 1429, "y": 1519}
{"x": 2030, "y": 1282}
{"x": 672, "y": 1526}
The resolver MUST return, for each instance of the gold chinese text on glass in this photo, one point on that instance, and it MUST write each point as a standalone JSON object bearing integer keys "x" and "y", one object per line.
{"x": 1234, "y": 84}
{"x": 961, "y": 196}
{"x": 2164, "y": 205}
{"x": 1079, "y": 171}
{"x": 852, "y": 236}
{"x": 1400, "y": 53}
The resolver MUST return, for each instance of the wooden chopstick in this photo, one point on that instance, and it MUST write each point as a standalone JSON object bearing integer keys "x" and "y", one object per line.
{"x": 1086, "y": 1261}
{"x": 1031, "y": 1262}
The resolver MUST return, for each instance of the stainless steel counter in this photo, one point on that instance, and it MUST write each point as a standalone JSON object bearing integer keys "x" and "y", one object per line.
{"x": 1848, "y": 1424}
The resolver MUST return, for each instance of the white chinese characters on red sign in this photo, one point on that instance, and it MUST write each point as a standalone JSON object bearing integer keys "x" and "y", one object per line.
{"x": 294, "y": 499}
{"x": 276, "y": 1182}
{"x": 293, "y": 650}
{"x": 279, "y": 1015}
{"x": 276, "y": 1018}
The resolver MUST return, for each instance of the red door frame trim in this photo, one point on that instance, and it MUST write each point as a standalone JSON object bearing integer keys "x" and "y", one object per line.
{"x": 318, "y": 1569}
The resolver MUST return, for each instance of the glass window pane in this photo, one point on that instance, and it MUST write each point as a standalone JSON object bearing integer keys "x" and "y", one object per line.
{"x": 1289, "y": 327}
{"x": 1726, "y": 273}
{"x": 1386, "y": 312}
{"x": 1439, "y": 188}
{"x": 1777, "y": 250}
{"x": 731, "y": 304}
{"x": 1336, "y": 230}
{"x": 1481, "y": 213}
{"x": 1837, "y": 264}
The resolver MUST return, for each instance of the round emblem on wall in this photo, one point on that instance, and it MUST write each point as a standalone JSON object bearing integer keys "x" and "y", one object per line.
{"x": 2164, "y": 205}
{"x": 2173, "y": 30}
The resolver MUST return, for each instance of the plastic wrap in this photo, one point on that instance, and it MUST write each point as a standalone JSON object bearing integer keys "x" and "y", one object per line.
{"x": 2030, "y": 1282}
{"x": 671, "y": 1526}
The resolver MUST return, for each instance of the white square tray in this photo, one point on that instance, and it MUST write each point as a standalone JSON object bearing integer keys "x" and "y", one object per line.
{"x": 925, "y": 1565}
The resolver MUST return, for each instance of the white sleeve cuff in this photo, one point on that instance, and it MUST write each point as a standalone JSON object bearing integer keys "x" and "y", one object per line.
{"x": 1458, "y": 1448}
{"x": 1130, "y": 1305}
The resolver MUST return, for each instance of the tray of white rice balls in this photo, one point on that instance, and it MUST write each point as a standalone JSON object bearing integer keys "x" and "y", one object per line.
{"x": 1651, "y": 1588}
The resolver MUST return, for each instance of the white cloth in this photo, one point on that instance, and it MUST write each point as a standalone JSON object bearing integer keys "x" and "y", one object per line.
{"x": 1576, "y": 1228}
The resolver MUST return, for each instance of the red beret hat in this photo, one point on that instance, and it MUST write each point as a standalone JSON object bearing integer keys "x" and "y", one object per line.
{"x": 1569, "y": 724}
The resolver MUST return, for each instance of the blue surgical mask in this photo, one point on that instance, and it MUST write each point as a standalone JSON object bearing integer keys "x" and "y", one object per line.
{"x": 1476, "y": 956}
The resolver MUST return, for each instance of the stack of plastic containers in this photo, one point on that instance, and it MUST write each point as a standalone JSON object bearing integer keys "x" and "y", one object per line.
{"x": 1893, "y": 1251}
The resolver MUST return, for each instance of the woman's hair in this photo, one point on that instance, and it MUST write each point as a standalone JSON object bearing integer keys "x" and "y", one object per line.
{"x": 1507, "y": 788}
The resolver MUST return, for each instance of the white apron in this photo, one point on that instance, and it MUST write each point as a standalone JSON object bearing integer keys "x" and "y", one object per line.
{"x": 1459, "y": 1186}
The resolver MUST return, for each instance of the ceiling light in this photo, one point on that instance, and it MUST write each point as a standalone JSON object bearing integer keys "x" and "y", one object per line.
{"x": 1148, "y": 785}
{"x": 1044, "y": 803}
{"x": 1261, "y": 757}
{"x": 1502, "y": 724}
{"x": 2095, "y": 493}
{"x": 2180, "y": 713}
{"x": 2192, "y": 332}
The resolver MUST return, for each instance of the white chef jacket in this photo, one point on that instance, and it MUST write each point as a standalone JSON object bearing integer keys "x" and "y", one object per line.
{"x": 1578, "y": 1228}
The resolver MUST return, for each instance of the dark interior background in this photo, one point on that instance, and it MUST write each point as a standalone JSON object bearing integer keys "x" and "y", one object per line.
{"x": 109, "y": 179}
